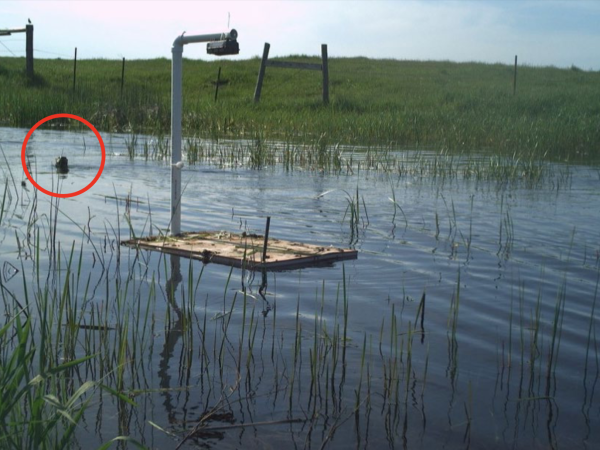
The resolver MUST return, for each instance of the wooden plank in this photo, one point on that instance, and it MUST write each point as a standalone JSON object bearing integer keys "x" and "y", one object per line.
{"x": 243, "y": 250}
{"x": 294, "y": 65}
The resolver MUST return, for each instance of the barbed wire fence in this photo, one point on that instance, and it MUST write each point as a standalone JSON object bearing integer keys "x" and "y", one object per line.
{"x": 19, "y": 49}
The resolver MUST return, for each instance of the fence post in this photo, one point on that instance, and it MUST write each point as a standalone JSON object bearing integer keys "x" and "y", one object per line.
{"x": 122, "y": 76}
{"x": 218, "y": 82}
{"x": 515, "y": 77}
{"x": 325, "y": 70}
{"x": 29, "y": 50}
{"x": 261, "y": 72}
{"x": 74, "y": 69}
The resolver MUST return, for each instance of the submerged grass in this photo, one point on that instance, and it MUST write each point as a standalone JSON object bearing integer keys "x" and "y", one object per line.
{"x": 319, "y": 374}
{"x": 408, "y": 104}
{"x": 42, "y": 405}
{"x": 81, "y": 324}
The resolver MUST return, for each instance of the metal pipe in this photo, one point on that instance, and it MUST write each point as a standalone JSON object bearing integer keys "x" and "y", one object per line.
{"x": 176, "y": 77}
{"x": 176, "y": 108}
{"x": 183, "y": 39}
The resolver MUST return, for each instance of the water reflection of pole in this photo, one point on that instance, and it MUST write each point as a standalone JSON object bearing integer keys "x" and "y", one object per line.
{"x": 172, "y": 333}
{"x": 262, "y": 290}
{"x": 172, "y": 284}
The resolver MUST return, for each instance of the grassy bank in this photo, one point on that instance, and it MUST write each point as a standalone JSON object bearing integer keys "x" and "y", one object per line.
{"x": 441, "y": 105}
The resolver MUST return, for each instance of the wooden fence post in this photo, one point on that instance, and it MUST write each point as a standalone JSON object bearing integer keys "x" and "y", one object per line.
{"x": 74, "y": 69}
{"x": 122, "y": 76}
{"x": 515, "y": 77}
{"x": 323, "y": 67}
{"x": 261, "y": 73}
{"x": 217, "y": 84}
{"x": 29, "y": 50}
{"x": 325, "y": 70}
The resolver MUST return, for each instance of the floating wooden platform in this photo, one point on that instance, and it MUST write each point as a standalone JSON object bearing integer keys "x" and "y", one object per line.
{"x": 243, "y": 250}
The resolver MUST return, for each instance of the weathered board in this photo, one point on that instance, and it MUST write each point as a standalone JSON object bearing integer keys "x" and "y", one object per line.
{"x": 243, "y": 250}
{"x": 295, "y": 65}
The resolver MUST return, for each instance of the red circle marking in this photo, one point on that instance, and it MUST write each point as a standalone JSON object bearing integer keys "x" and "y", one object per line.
{"x": 56, "y": 116}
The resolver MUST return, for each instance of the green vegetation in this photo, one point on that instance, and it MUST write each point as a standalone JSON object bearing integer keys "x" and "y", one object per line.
{"x": 43, "y": 397}
{"x": 555, "y": 113}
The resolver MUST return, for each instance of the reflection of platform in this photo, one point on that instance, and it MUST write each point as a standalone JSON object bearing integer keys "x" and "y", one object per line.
{"x": 243, "y": 249}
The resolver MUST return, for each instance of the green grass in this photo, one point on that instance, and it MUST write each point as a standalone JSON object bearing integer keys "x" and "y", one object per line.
{"x": 407, "y": 104}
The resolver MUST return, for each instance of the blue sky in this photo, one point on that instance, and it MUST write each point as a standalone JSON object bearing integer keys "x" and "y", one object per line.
{"x": 540, "y": 32}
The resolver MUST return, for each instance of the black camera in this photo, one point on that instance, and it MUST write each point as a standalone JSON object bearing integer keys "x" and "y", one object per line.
{"x": 222, "y": 48}
{"x": 228, "y": 45}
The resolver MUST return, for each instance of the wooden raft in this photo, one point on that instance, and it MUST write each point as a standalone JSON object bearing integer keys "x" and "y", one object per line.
{"x": 243, "y": 250}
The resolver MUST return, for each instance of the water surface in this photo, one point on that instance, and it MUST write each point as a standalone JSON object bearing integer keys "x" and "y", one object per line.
{"x": 506, "y": 355}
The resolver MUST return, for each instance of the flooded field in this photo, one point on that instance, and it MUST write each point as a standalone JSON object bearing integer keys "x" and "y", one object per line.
{"x": 469, "y": 318}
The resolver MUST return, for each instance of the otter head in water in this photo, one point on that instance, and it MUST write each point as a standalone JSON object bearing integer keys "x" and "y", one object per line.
{"x": 62, "y": 164}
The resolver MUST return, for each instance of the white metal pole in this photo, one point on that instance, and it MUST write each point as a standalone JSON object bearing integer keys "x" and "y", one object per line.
{"x": 176, "y": 101}
{"x": 176, "y": 78}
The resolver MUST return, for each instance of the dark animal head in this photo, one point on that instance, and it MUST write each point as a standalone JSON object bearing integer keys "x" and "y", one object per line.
{"x": 62, "y": 164}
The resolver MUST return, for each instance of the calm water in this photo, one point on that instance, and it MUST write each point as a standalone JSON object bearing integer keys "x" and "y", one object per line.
{"x": 500, "y": 263}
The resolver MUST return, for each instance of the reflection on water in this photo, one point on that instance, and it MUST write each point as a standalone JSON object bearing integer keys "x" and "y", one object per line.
{"x": 468, "y": 320}
{"x": 172, "y": 334}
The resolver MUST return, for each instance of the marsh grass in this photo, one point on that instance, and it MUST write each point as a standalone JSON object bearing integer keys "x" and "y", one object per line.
{"x": 460, "y": 108}
{"x": 315, "y": 378}
{"x": 592, "y": 331}
{"x": 426, "y": 167}
{"x": 131, "y": 144}
{"x": 35, "y": 412}
{"x": 321, "y": 372}
{"x": 41, "y": 405}
{"x": 42, "y": 347}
